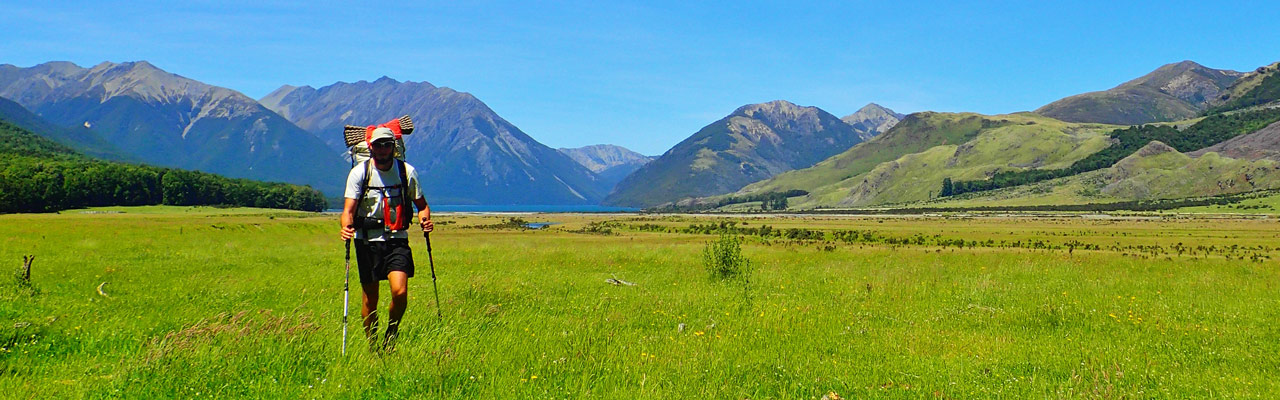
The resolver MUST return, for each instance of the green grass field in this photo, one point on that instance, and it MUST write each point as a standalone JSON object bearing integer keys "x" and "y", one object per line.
{"x": 247, "y": 303}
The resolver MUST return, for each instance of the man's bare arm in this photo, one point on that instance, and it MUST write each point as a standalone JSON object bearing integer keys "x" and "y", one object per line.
{"x": 348, "y": 218}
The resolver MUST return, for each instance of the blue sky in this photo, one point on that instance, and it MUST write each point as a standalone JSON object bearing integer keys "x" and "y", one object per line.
{"x": 646, "y": 75}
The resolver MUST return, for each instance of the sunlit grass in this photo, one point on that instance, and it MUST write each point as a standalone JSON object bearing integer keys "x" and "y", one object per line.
{"x": 242, "y": 303}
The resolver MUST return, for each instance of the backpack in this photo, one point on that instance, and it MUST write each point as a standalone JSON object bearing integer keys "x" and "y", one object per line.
{"x": 357, "y": 140}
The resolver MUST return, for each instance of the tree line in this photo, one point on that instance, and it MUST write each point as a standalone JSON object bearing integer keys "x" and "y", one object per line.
{"x": 1209, "y": 131}
{"x": 35, "y": 185}
{"x": 1131, "y": 205}
{"x": 768, "y": 201}
{"x": 39, "y": 175}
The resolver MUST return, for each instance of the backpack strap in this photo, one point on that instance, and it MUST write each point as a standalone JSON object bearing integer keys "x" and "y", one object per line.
{"x": 364, "y": 190}
{"x": 404, "y": 192}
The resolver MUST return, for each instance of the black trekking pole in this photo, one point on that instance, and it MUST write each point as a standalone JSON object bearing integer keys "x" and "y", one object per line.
{"x": 346, "y": 280}
{"x": 427, "y": 235}
{"x": 346, "y": 283}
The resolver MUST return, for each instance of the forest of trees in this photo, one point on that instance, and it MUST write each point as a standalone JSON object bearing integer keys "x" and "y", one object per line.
{"x": 39, "y": 175}
{"x": 1209, "y": 131}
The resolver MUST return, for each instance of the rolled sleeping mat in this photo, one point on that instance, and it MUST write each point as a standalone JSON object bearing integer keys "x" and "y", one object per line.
{"x": 355, "y": 137}
{"x": 358, "y": 134}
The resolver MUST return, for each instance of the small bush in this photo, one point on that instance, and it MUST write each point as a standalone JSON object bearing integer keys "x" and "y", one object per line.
{"x": 596, "y": 228}
{"x": 723, "y": 259}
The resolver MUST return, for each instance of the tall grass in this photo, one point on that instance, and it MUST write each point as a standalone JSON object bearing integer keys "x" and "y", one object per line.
{"x": 248, "y": 304}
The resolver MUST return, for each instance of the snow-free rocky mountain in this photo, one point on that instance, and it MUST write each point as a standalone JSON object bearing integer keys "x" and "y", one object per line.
{"x": 754, "y": 142}
{"x": 610, "y": 162}
{"x": 464, "y": 152}
{"x": 872, "y": 119}
{"x": 168, "y": 120}
{"x": 1170, "y": 93}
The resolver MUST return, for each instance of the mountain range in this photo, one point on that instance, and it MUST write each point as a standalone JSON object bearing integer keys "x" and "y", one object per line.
{"x": 169, "y": 120}
{"x": 467, "y": 153}
{"x": 754, "y": 142}
{"x": 138, "y": 113}
{"x": 907, "y": 164}
{"x": 609, "y": 162}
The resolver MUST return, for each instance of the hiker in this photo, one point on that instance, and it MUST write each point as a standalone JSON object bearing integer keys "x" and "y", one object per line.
{"x": 376, "y": 213}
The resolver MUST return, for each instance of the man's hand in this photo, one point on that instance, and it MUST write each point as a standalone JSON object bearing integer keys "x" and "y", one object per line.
{"x": 427, "y": 225}
{"x": 348, "y": 232}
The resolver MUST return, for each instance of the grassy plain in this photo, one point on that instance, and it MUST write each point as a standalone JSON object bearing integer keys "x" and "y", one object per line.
{"x": 247, "y": 303}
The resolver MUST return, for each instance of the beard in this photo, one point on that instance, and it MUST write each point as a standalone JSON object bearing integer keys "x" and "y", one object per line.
{"x": 383, "y": 159}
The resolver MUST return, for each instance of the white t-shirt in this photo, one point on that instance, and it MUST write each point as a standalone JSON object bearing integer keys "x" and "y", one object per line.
{"x": 381, "y": 187}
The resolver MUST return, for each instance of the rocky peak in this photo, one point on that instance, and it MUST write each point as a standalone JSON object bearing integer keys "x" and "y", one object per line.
{"x": 775, "y": 109}
{"x": 278, "y": 99}
{"x": 755, "y": 142}
{"x": 873, "y": 119}
{"x": 1172, "y": 92}
{"x": 1155, "y": 147}
{"x": 459, "y": 142}
{"x": 603, "y": 156}
{"x": 1187, "y": 81}
{"x": 875, "y": 109}
{"x": 57, "y": 81}
{"x": 58, "y": 68}
{"x": 780, "y": 116}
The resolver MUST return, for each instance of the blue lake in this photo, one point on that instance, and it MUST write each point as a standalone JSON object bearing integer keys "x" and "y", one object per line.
{"x": 540, "y": 225}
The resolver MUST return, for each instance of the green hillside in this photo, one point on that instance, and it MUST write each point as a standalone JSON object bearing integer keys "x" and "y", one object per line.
{"x": 917, "y": 132}
{"x": 908, "y": 163}
{"x": 1202, "y": 133}
{"x": 1122, "y": 106}
{"x": 82, "y": 140}
{"x": 1259, "y": 87}
{"x": 1157, "y": 171}
{"x": 1041, "y": 161}
{"x": 16, "y": 141}
{"x": 1032, "y": 143}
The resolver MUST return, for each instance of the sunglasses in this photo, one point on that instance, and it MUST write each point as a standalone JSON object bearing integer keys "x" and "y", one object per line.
{"x": 384, "y": 144}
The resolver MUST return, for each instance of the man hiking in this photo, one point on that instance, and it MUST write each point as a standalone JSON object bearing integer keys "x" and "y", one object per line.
{"x": 376, "y": 213}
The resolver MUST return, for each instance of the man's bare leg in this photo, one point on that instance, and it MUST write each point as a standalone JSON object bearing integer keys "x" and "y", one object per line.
{"x": 399, "y": 301}
{"x": 369, "y": 310}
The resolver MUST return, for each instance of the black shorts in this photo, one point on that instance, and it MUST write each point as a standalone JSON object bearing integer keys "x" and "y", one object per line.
{"x": 377, "y": 259}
